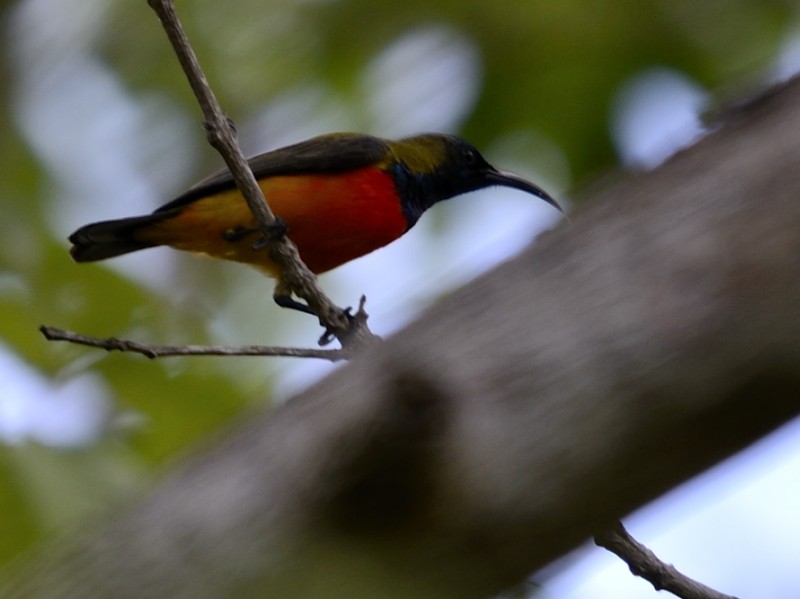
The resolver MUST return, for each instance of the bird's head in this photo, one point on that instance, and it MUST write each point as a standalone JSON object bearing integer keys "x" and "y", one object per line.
{"x": 433, "y": 167}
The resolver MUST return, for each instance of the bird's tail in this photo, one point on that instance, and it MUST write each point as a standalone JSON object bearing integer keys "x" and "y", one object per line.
{"x": 110, "y": 238}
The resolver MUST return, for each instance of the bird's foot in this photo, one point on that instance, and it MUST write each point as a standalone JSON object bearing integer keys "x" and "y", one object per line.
{"x": 329, "y": 335}
{"x": 277, "y": 230}
{"x": 351, "y": 321}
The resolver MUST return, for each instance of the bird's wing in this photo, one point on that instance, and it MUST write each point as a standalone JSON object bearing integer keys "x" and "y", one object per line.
{"x": 334, "y": 152}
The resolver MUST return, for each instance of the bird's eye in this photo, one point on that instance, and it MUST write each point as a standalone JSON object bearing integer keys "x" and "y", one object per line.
{"x": 470, "y": 156}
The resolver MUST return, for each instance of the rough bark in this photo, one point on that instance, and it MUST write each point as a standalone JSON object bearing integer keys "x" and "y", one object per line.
{"x": 625, "y": 352}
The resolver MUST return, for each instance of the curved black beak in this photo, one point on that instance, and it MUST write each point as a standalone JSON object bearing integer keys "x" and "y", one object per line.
{"x": 494, "y": 177}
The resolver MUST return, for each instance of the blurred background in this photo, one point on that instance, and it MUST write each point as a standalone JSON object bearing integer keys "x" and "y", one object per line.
{"x": 97, "y": 122}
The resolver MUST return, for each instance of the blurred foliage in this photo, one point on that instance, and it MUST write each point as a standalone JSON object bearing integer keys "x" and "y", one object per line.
{"x": 547, "y": 67}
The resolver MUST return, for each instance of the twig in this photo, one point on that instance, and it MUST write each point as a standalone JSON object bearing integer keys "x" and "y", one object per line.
{"x": 160, "y": 351}
{"x": 295, "y": 277}
{"x": 644, "y": 563}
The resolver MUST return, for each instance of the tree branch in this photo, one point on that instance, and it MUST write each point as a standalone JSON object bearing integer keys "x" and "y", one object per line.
{"x": 618, "y": 357}
{"x": 644, "y": 563}
{"x": 160, "y": 351}
{"x": 295, "y": 277}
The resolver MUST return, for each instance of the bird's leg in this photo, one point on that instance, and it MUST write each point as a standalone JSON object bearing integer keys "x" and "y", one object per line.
{"x": 277, "y": 230}
{"x": 285, "y": 300}
{"x": 238, "y": 233}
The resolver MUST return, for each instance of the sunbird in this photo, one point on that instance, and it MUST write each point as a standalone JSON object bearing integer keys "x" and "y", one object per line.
{"x": 338, "y": 196}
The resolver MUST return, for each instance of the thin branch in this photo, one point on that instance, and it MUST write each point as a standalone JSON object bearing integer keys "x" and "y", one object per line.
{"x": 295, "y": 276}
{"x": 161, "y": 351}
{"x": 644, "y": 563}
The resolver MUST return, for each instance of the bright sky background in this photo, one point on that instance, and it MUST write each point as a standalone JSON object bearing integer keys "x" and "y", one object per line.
{"x": 735, "y": 527}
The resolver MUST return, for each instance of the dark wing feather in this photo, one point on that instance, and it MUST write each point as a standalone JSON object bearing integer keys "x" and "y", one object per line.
{"x": 336, "y": 152}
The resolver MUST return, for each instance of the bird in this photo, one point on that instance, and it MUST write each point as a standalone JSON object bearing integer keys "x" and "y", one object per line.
{"x": 338, "y": 197}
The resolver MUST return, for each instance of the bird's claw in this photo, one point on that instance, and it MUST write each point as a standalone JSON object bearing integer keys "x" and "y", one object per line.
{"x": 329, "y": 335}
{"x": 277, "y": 230}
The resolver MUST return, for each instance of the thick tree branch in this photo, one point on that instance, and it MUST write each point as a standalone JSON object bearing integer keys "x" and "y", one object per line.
{"x": 295, "y": 277}
{"x": 644, "y": 563}
{"x": 623, "y": 354}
